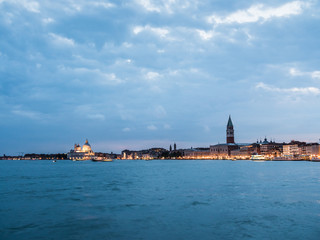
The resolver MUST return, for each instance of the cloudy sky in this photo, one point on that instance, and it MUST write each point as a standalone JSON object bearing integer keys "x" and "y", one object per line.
{"x": 144, "y": 73}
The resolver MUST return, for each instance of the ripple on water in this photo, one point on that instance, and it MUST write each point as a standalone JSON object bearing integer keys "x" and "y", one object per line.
{"x": 23, "y": 227}
{"x": 74, "y": 199}
{"x": 196, "y": 203}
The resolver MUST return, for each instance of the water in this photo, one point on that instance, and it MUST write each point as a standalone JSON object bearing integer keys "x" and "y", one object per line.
{"x": 159, "y": 200}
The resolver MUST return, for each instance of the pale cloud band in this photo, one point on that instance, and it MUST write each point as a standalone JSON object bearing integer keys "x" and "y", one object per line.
{"x": 61, "y": 40}
{"x": 31, "y": 6}
{"x": 160, "y": 32}
{"x": 294, "y": 90}
{"x": 260, "y": 12}
{"x": 295, "y": 72}
{"x": 165, "y": 6}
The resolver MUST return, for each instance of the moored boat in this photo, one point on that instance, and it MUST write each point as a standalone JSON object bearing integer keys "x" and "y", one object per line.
{"x": 258, "y": 158}
{"x": 315, "y": 159}
{"x": 101, "y": 159}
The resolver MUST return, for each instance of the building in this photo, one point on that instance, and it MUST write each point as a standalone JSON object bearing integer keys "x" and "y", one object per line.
{"x": 291, "y": 150}
{"x": 313, "y": 149}
{"x": 152, "y": 153}
{"x": 270, "y": 149}
{"x": 81, "y": 153}
{"x": 245, "y": 151}
{"x": 224, "y": 150}
{"x": 197, "y": 153}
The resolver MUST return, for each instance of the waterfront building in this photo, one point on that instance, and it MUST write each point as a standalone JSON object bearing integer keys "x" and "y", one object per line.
{"x": 291, "y": 150}
{"x": 222, "y": 150}
{"x": 295, "y": 149}
{"x": 245, "y": 151}
{"x": 81, "y": 153}
{"x": 197, "y": 153}
{"x": 270, "y": 149}
{"x": 152, "y": 153}
{"x": 313, "y": 149}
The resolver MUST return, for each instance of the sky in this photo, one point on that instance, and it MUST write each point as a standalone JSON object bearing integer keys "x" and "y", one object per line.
{"x": 147, "y": 73}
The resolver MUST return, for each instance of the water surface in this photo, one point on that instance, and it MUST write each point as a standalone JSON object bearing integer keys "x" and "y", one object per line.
{"x": 159, "y": 200}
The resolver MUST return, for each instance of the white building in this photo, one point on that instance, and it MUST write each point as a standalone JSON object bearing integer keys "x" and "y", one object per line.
{"x": 78, "y": 153}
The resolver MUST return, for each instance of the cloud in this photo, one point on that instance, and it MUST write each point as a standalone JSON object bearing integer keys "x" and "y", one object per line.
{"x": 61, "y": 40}
{"x": 28, "y": 114}
{"x": 144, "y": 61}
{"x": 96, "y": 116}
{"x": 102, "y": 78}
{"x": 205, "y": 35}
{"x": 295, "y": 90}
{"x": 31, "y": 6}
{"x": 160, "y": 32}
{"x": 152, "y": 127}
{"x": 260, "y": 12}
{"x": 125, "y": 114}
{"x": 101, "y": 4}
{"x": 166, "y": 6}
{"x": 89, "y": 111}
{"x": 76, "y": 6}
{"x": 160, "y": 112}
{"x": 295, "y": 72}
{"x": 48, "y": 20}
{"x": 126, "y": 129}
{"x": 315, "y": 74}
{"x": 206, "y": 128}
{"x": 96, "y": 76}
{"x": 152, "y": 75}
{"x": 148, "y": 5}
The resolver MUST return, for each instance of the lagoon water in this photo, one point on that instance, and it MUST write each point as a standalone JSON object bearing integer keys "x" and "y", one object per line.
{"x": 159, "y": 200}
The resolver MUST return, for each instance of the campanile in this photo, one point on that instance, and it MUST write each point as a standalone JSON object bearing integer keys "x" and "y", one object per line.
{"x": 230, "y": 131}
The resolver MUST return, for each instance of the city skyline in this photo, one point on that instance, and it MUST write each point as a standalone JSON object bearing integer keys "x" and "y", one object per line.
{"x": 150, "y": 73}
{"x": 86, "y": 153}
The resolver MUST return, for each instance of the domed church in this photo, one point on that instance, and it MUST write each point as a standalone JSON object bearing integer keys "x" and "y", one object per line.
{"x": 78, "y": 153}
{"x": 86, "y": 147}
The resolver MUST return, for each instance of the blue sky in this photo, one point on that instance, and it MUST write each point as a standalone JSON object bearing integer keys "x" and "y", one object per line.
{"x": 144, "y": 73}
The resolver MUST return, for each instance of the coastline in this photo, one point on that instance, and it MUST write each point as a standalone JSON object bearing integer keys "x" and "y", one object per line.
{"x": 167, "y": 159}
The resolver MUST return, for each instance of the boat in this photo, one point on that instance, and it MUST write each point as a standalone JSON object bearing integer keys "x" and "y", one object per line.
{"x": 258, "y": 158}
{"x": 100, "y": 159}
{"x": 104, "y": 160}
{"x": 314, "y": 159}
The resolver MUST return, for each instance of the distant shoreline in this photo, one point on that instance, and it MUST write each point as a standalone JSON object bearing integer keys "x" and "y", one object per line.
{"x": 277, "y": 160}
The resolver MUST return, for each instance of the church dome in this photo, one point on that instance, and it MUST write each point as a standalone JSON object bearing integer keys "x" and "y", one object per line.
{"x": 86, "y": 147}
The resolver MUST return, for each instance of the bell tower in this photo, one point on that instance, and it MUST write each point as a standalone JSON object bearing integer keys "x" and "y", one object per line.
{"x": 230, "y": 131}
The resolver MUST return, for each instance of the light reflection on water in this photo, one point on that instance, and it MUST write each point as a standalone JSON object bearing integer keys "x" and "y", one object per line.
{"x": 159, "y": 200}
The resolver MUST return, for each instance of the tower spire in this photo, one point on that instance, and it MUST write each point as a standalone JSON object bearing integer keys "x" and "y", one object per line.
{"x": 230, "y": 124}
{"x": 230, "y": 131}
